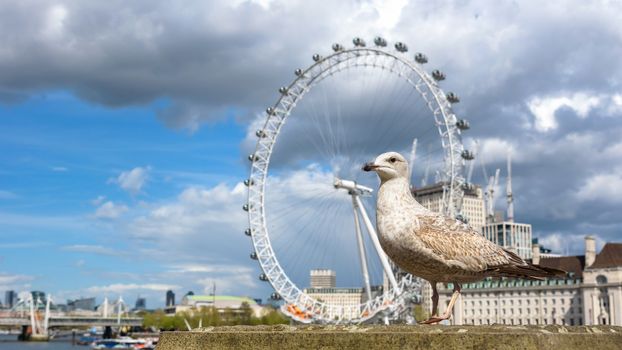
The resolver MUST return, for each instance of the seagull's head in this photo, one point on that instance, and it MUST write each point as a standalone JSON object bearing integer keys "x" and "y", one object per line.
{"x": 388, "y": 166}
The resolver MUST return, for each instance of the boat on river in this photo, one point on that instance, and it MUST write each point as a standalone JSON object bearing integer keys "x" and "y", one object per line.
{"x": 123, "y": 343}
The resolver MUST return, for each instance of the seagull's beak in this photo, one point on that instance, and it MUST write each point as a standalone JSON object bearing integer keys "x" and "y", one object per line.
{"x": 369, "y": 166}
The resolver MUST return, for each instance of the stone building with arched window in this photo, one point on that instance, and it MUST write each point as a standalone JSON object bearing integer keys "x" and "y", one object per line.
{"x": 590, "y": 294}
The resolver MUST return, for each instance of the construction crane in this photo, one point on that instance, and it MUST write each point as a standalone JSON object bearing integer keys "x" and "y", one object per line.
{"x": 508, "y": 190}
{"x": 426, "y": 174}
{"x": 493, "y": 182}
{"x": 411, "y": 163}
{"x": 468, "y": 185}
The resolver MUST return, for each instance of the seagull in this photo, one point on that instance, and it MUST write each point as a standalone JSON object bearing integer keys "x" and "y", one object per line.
{"x": 435, "y": 247}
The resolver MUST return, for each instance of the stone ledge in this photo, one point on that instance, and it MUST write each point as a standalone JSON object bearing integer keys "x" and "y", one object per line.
{"x": 395, "y": 337}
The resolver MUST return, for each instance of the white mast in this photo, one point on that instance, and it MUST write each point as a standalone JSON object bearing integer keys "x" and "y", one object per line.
{"x": 120, "y": 309}
{"x": 46, "y": 320}
{"x": 508, "y": 189}
{"x": 413, "y": 154}
{"x": 424, "y": 181}
{"x": 105, "y": 306}
{"x": 493, "y": 181}
{"x": 33, "y": 324}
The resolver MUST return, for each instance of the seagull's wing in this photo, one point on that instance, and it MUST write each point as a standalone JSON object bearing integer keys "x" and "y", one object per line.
{"x": 462, "y": 247}
{"x": 458, "y": 244}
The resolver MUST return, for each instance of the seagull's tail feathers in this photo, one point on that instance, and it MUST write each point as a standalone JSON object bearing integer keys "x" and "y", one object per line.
{"x": 527, "y": 271}
{"x": 518, "y": 268}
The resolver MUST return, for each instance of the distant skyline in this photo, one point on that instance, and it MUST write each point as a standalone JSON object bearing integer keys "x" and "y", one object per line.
{"x": 124, "y": 125}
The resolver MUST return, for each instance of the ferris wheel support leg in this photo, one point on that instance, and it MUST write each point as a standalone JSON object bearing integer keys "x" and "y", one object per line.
{"x": 374, "y": 238}
{"x": 33, "y": 323}
{"x": 361, "y": 245}
{"x": 46, "y": 321}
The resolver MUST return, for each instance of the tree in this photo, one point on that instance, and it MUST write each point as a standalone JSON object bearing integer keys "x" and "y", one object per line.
{"x": 420, "y": 313}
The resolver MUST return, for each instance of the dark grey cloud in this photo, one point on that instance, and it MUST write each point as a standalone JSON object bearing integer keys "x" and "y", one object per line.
{"x": 204, "y": 56}
{"x": 213, "y": 59}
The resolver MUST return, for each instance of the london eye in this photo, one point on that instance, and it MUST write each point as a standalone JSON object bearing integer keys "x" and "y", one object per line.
{"x": 310, "y": 206}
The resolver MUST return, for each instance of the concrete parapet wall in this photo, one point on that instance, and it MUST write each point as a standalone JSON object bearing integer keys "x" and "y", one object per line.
{"x": 395, "y": 337}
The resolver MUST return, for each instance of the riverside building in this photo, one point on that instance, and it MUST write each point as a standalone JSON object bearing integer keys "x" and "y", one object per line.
{"x": 473, "y": 205}
{"x": 191, "y": 303}
{"x": 323, "y": 287}
{"x": 513, "y": 236}
{"x": 591, "y": 293}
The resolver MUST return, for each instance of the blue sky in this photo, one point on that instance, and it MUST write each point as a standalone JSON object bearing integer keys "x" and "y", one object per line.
{"x": 61, "y": 160}
{"x": 124, "y": 127}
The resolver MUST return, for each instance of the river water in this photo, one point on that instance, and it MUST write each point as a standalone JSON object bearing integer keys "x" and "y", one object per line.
{"x": 9, "y": 342}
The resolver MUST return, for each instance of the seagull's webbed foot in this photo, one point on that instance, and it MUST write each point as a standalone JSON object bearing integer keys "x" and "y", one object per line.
{"x": 435, "y": 319}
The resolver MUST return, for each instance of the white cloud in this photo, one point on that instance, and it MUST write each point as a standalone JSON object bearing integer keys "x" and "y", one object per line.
{"x": 110, "y": 210}
{"x": 209, "y": 268}
{"x": 7, "y": 195}
{"x": 227, "y": 277}
{"x": 99, "y": 200}
{"x": 121, "y": 287}
{"x": 60, "y": 169}
{"x": 602, "y": 187}
{"x": 133, "y": 180}
{"x": 494, "y": 149}
{"x": 544, "y": 109}
{"x": 615, "y": 104}
{"x": 14, "y": 282}
{"x": 93, "y": 249}
{"x": 195, "y": 210}
{"x": 567, "y": 243}
{"x": 55, "y": 21}
{"x": 229, "y": 284}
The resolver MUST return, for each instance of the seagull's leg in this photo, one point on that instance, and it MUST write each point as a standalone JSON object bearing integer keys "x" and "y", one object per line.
{"x": 447, "y": 314}
{"x": 454, "y": 297}
{"x": 434, "y": 300}
{"x": 434, "y": 305}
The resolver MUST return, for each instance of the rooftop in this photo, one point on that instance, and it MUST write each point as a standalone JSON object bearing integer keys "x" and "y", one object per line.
{"x": 609, "y": 256}
{"x": 438, "y": 188}
{"x": 572, "y": 264}
{"x": 211, "y": 298}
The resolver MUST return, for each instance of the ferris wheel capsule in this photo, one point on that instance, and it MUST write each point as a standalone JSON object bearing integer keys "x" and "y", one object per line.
{"x": 283, "y": 90}
{"x": 421, "y": 58}
{"x": 298, "y": 72}
{"x": 263, "y": 277}
{"x": 317, "y": 57}
{"x": 380, "y": 41}
{"x": 252, "y": 157}
{"x": 275, "y": 296}
{"x": 253, "y": 256}
{"x": 401, "y": 47}
{"x": 438, "y": 75}
{"x": 245, "y": 207}
{"x": 462, "y": 218}
{"x": 467, "y": 155}
{"x": 468, "y": 187}
{"x": 337, "y": 47}
{"x": 453, "y": 98}
{"x": 463, "y": 124}
{"x": 260, "y": 133}
{"x": 358, "y": 42}
{"x": 248, "y": 232}
{"x": 248, "y": 182}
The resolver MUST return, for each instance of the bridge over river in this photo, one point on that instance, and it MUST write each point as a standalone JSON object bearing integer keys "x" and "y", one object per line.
{"x": 73, "y": 321}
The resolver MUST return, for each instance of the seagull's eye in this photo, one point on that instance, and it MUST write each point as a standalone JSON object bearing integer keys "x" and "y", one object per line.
{"x": 392, "y": 159}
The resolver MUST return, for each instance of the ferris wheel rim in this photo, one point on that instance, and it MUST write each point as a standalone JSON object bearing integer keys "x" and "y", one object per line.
{"x": 260, "y": 159}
